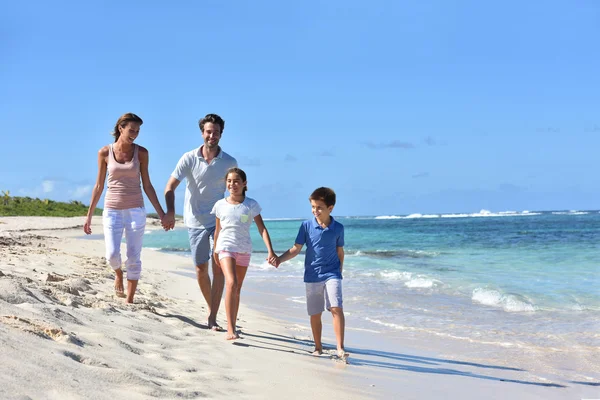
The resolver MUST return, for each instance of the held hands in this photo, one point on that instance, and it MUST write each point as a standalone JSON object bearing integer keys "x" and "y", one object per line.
{"x": 168, "y": 220}
{"x": 273, "y": 260}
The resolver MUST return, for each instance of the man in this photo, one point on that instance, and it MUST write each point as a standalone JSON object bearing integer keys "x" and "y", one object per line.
{"x": 205, "y": 169}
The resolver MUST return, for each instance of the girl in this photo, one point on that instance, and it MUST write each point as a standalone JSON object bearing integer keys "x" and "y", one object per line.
{"x": 126, "y": 164}
{"x": 232, "y": 237}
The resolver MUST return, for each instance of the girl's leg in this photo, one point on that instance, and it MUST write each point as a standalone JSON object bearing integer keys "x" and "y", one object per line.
{"x": 231, "y": 290}
{"x": 135, "y": 225}
{"x": 240, "y": 271}
{"x": 112, "y": 221}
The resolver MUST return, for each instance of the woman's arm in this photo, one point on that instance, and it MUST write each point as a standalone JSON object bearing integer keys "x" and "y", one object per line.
{"x": 144, "y": 158}
{"x": 264, "y": 233}
{"x": 97, "y": 190}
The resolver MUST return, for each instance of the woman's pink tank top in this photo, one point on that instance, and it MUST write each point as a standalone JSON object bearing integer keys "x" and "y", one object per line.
{"x": 124, "y": 189}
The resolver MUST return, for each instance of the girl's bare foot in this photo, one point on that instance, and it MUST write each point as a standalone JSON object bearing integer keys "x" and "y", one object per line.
{"x": 232, "y": 337}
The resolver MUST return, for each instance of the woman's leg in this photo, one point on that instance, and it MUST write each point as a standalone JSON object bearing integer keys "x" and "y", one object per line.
{"x": 112, "y": 221}
{"x": 231, "y": 291}
{"x": 135, "y": 225}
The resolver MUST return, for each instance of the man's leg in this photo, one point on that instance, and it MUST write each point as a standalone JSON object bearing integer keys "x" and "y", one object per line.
{"x": 204, "y": 282}
{"x": 216, "y": 293}
{"x": 200, "y": 247}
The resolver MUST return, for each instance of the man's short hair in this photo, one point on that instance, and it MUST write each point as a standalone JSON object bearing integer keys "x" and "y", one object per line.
{"x": 325, "y": 194}
{"x": 214, "y": 118}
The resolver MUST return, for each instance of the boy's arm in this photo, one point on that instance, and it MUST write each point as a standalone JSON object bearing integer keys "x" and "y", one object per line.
{"x": 288, "y": 255}
{"x": 340, "y": 253}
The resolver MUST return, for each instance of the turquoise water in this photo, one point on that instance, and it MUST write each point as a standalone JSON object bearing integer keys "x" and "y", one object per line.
{"x": 526, "y": 278}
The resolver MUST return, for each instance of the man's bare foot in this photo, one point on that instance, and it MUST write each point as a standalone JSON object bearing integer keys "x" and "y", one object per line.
{"x": 215, "y": 327}
{"x": 232, "y": 337}
{"x": 317, "y": 352}
{"x": 119, "y": 289}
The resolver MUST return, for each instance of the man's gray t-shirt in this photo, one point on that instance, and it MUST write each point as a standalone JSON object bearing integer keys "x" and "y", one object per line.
{"x": 204, "y": 187}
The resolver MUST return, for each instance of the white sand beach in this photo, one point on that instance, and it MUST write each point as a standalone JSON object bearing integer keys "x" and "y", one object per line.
{"x": 65, "y": 335}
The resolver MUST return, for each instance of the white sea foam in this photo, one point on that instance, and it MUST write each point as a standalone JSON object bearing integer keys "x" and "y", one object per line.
{"x": 440, "y": 333}
{"x": 481, "y": 213}
{"x": 572, "y": 212}
{"x": 422, "y": 283}
{"x": 396, "y": 275}
{"x": 299, "y": 299}
{"x": 508, "y": 302}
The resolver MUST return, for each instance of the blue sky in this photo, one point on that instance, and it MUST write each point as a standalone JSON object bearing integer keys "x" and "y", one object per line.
{"x": 420, "y": 107}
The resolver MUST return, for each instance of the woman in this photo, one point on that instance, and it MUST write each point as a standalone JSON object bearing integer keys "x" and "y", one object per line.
{"x": 126, "y": 163}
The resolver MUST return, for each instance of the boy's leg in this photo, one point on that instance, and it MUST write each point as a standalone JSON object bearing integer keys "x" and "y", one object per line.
{"x": 339, "y": 323}
{"x": 231, "y": 291}
{"x": 334, "y": 303}
{"x": 315, "y": 301}
{"x": 317, "y": 329}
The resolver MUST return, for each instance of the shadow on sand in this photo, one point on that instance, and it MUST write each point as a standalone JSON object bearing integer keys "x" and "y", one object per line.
{"x": 387, "y": 360}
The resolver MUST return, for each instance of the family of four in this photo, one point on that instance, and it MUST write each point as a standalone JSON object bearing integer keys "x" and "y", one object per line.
{"x": 212, "y": 218}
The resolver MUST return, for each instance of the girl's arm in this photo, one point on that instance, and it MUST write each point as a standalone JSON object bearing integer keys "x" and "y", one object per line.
{"x": 340, "y": 253}
{"x": 217, "y": 230}
{"x": 98, "y": 188}
{"x": 146, "y": 184}
{"x": 264, "y": 233}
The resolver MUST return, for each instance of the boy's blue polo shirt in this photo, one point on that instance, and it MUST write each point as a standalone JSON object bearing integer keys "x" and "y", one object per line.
{"x": 321, "y": 261}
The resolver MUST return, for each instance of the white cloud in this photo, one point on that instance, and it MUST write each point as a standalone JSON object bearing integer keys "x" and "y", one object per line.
{"x": 48, "y": 186}
{"x": 81, "y": 191}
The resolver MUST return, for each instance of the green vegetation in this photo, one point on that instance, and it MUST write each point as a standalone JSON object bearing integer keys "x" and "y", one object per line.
{"x": 26, "y": 206}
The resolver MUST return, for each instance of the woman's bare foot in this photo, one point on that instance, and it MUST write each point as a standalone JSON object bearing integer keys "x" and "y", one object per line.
{"x": 119, "y": 289}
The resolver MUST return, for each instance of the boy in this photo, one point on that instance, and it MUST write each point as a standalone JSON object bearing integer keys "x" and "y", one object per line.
{"x": 324, "y": 259}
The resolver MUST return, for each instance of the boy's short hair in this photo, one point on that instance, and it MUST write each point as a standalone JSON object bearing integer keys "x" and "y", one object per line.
{"x": 325, "y": 194}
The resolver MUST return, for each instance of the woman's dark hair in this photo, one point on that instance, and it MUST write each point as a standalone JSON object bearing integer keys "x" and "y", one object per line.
{"x": 123, "y": 121}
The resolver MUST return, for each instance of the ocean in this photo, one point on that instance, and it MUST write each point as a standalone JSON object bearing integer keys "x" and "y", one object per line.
{"x": 527, "y": 280}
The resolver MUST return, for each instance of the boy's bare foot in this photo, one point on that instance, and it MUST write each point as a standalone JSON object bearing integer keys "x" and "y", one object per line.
{"x": 232, "y": 337}
{"x": 343, "y": 354}
{"x": 317, "y": 352}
